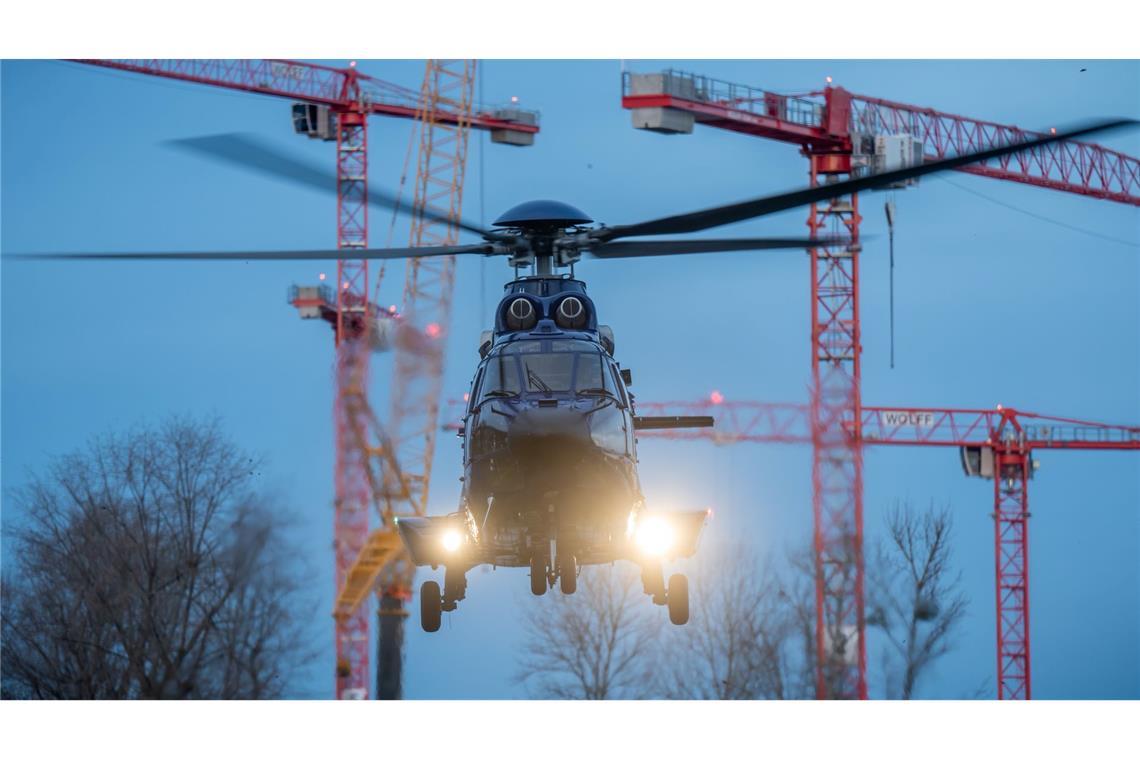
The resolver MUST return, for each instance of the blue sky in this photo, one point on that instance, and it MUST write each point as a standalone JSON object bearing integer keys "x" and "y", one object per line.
{"x": 992, "y": 306}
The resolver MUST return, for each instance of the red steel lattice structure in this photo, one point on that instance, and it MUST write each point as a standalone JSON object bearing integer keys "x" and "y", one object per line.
{"x": 352, "y": 97}
{"x": 830, "y": 125}
{"x": 1011, "y": 437}
{"x": 352, "y": 503}
{"x": 837, "y": 465}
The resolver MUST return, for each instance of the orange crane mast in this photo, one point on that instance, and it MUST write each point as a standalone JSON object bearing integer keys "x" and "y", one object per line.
{"x": 417, "y": 379}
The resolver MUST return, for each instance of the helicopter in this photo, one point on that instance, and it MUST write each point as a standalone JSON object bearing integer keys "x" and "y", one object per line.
{"x": 549, "y": 439}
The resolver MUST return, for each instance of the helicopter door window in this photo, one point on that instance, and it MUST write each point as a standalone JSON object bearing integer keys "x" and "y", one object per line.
{"x": 620, "y": 385}
{"x": 476, "y": 389}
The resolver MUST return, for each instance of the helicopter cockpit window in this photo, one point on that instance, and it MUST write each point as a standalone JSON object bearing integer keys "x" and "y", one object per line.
{"x": 501, "y": 378}
{"x": 573, "y": 345}
{"x": 523, "y": 347}
{"x": 547, "y": 366}
{"x": 591, "y": 376}
{"x": 548, "y": 373}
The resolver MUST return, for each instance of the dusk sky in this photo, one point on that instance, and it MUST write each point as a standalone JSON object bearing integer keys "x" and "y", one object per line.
{"x": 1005, "y": 293}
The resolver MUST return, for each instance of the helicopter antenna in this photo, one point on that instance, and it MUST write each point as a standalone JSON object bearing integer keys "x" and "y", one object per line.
{"x": 889, "y": 207}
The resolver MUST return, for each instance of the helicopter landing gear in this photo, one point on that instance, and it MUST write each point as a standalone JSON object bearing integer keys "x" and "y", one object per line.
{"x": 678, "y": 599}
{"x": 454, "y": 588}
{"x": 567, "y": 572}
{"x": 539, "y": 573}
{"x": 431, "y": 606}
{"x": 653, "y": 580}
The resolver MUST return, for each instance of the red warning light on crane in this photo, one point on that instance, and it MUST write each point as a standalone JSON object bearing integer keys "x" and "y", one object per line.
{"x": 716, "y": 397}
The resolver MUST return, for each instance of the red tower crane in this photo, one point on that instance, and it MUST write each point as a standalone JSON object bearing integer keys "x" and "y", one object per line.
{"x": 996, "y": 444}
{"x": 334, "y": 104}
{"x": 843, "y": 134}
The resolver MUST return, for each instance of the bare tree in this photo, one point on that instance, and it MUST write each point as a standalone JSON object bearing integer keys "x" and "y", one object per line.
{"x": 147, "y": 567}
{"x": 591, "y": 645}
{"x": 915, "y": 594}
{"x": 797, "y": 592}
{"x": 745, "y": 639}
{"x": 752, "y": 634}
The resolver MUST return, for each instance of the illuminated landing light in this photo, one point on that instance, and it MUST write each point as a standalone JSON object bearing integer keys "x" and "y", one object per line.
{"x": 829, "y": 80}
{"x": 321, "y": 276}
{"x": 716, "y": 397}
{"x": 514, "y": 98}
{"x": 654, "y": 536}
{"x": 433, "y": 330}
{"x": 452, "y": 540}
{"x": 1052, "y": 130}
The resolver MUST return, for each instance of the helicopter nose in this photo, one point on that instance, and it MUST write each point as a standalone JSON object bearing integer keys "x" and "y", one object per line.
{"x": 544, "y": 427}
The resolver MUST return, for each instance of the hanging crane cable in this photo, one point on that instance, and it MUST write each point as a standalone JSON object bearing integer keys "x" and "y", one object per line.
{"x": 1041, "y": 217}
{"x": 889, "y": 207}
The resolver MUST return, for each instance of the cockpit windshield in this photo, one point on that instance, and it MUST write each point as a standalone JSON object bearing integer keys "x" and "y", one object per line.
{"x": 545, "y": 367}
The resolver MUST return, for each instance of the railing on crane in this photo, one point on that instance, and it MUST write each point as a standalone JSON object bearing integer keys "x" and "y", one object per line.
{"x": 835, "y": 119}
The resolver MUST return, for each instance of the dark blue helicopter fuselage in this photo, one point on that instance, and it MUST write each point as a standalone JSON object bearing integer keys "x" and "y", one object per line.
{"x": 549, "y": 446}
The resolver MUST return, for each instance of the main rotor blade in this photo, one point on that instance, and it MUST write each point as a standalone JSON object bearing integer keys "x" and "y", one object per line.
{"x": 633, "y": 249}
{"x": 248, "y": 152}
{"x": 738, "y": 212}
{"x": 334, "y": 254}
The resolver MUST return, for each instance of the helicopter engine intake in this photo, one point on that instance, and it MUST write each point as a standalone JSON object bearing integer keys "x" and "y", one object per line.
{"x": 521, "y": 315}
{"x": 571, "y": 314}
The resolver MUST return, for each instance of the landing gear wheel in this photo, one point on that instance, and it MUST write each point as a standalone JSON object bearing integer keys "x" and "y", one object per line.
{"x": 568, "y": 573}
{"x": 678, "y": 599}
{"x": 538, "y": 575}
{"x": 431, "y": 606}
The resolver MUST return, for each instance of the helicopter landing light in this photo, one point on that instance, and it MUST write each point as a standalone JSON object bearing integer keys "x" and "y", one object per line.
{"x": 654, "y": 536}
{"x": 452, "y": 540}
